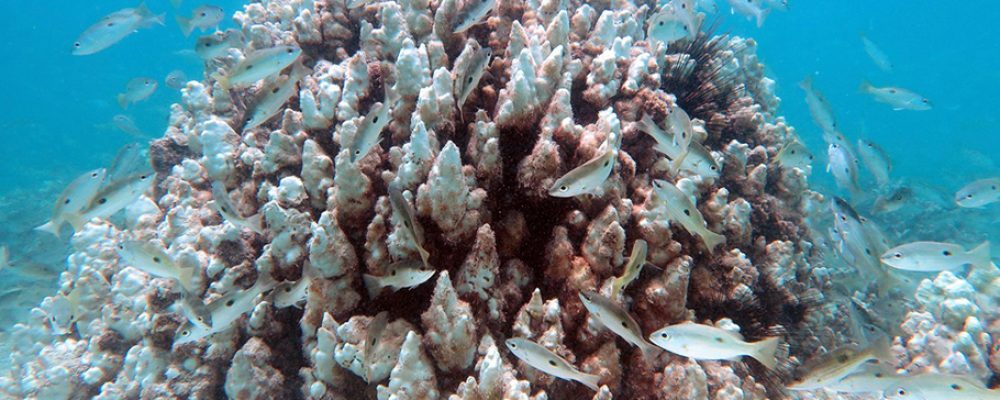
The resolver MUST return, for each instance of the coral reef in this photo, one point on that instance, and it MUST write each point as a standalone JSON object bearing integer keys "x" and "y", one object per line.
{"x": 564, "y": 78}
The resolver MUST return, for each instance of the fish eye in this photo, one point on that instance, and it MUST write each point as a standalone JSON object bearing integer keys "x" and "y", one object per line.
{"x": 513, "y": 345}
{"x": 661, "y": 23}
{"x": 925, "y": 101}
{"x": 289, "y": 51}
{"x": 878, "y": 374}
{"x": 901, "y": 392}
{"x": 66, "y": 202}
{"x": 156, "y": 260}
{"x": 563, "y": 188}
{"x": 687, "y": 212}
{"x": 956, "y": 386}
{"x": 111, "y": 24}
{"x": 77, "y": 44}
{"x": 204, "y": 14}
{"x": 946, "y": 253}
{"x": 968, "y": 196}
{"x": 713, "y": 168}
{"x": 898, "y": 255}
{"x": 664, "y": 335}
{"x": 792, "y": 152}
{"x": 393, "y": 273}
{"x": 230, "y": 303}
{"x": 375, "y": 119}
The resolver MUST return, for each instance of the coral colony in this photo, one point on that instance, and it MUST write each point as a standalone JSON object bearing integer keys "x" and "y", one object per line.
{"x": 463, "y": 200}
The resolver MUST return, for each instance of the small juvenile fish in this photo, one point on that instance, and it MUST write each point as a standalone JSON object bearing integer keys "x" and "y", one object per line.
{"x": 112, "y": 198}
{"x": 876, "y": 160}
{"x": 876, "y": 54}
{"x": 751, "y": 9}
{"x": 375, "y": 329}
{"x": 258, "y": 65}
{"x": 843, "y": 166}
{"x": 840, "y": 363}
{"x": 819, "y": 107}
{"x": 215, "y": 45}
{"x": 617, "y": 320}
{"x": 670, "y": 25}
{"x": 222, "y": 203}
{"x": 114, "y": 27}
{"x": 473, "y": 12}
{"x": 74, "y": 199}
{"x": 930, "y": 386}
{"x": 224, "y": 312}
{"x": 155, "y": 261}
{"x": 703, "y": 342}
{"x": 794, "y": 155}
{"x": 467, "y": 79}
{"x": 402, "y": 275}
{"x": 370, "y": 131}
{"x": 893, "y": 201}
{"x": 636, "y": 260}
{"x": 680, "y": 124}
{"x": 125, "y": 124}
{"x": 935, "y": 256}
{"x": 898, "y": 98}
{"x": 137, "y": 89}
{"x": 409, "y": 219}
{"x": 176, "y": 79}
{"x": 586, "y": 178}
{"x": 680, "y": 209}
{"x": 273, "y": 96}
{"x": 203, "y": 18}
{"x": 542, "y": 359}
{"x": 288, "y": 294}
{"x": 978, "y": 193}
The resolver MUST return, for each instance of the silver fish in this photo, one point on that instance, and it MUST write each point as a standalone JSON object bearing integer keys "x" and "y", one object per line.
{"x": 216, "y": 44}
{"x": 930, "y": 386}
{"x": 472, "y": 13}
{"x": 680, "y": 209}
{"x": 137, "y": 89}
{"x": 273, "y": 96}
{"x": 374, "y": 332}
{"x": 867, "y": 378}
{"x": 893, "y": 201}
{"x": 224, "y": 312}
{"x": 837, "y": 364}
{"x": 704, "y": 342}
{"x": 402, "y": 275}
{"x": 876, "y": 54}
{"x": 112, "y": 198}
{"x": 671, "y": 24}
{"x": 680, "y": 124}
{"x": 224, "y": 205}
{"x": 751, "y": 9}
{"x": 204, "y": 17}
{"x": 586, "y": 178}
{"x": 155, "y": 261}
{"x": 176, "y": 79}
{"x": 474, "y": 59}
{"x": 292, "y": 294}
{"x": 876, "y": 160}
{"x": 74, "y": 199}
{"x": 898, "y": 98}
{"x": 935, "y": 256}
{"x": 127, "y": 125}
{"x": 819, "y": 107}
{"x": 843, "y": 166}
{"x": 794, "y": 155}
{"x": 636, "y": 260}
{"x": 258, "y": 65}
{"x": 542, "y": 359}
{"x": 978, "y": 193}
{"x": 370, "y": 131}
{"x": 698, "y": 160}
{"x": 617, "y": 320}
{"x": 114, "y": 27}
{"x": 409, "y": 218}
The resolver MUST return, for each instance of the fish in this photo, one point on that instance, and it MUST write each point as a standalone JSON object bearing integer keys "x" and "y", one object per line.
{"x": 670, "y": 25}
{"x": 978, "y": 193}
{"x": 259, "y": 64}
{"x": 130, "y": 160}
{"x": 839, "y": 363}
{"x": 194, "y": 311}
{"x": 893, "y": 201}
{"x": 112, "y": 198}
{"x": 467, "y": 79}
{"x": 860, "y": 246}
{"x": 224, "y": 312}
{"x": 680, "y": 124}
{"x": 867, "y": 378}
{"x": 794, "y": 155}
{"x": 616, "y": 319}
{"x": 472, "y": 13}
{"x": 704, "y": 342}
{"x": 292, "y": 294}
{"x": 224, "y": 205}
{"x": 708, "y": 5}
{"x": 680, "y": 209}
{"x": 137, "y": 89}
{"x": 402, "y": 275}
{"x": 931, "y": 386}
{"x": 876, "y": 160}
{"x": 125, "y": 124}
{"x": 543, "y": 359}
{"x": 819, "y": 106}
{"x": 176, "y": 79}
{"x": 273, "y": 95}
{"x": 203, "y": 18}
{"x": 898, "y": 98}
{"x": 370, "y": 131}
{"x": 409, "y": 218}
{"x": 876, "y": 54}
{"x": 843, "y": 166}
{"x": 698, "y": 160}
{"x": 586, "y": 178}
{"x": 153, "y": 260}
{"x": 215, "y": 45}
{"x": 114, "y": 27}
{"x": 935, "y": 256}
{"x": 636, "y": 260}
{"x": 374, "y": 332}
{"x": 752, "y": 9}
{"x": 74, "y": 199}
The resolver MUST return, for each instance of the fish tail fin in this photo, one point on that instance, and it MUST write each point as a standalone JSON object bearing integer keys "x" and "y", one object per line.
{"x": 123, "y": 101}
{"x": 761, "y": 16}
{"x": 50, "y": 227}
{"x": 806, "y": 83}
{"x": 185, "y": 24}
{"x": 589, "y": 380}
{"x": 373, "y": 286}
{"x": 981, "y": 254}
{"x": 865, "y": 86}
{"x": 256, "y": 223}
{"x": 676, "y": 165}
{"x": 765, "y": 351}
{"x": 649, "y": 351}
{"x": 713, "y": 240}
